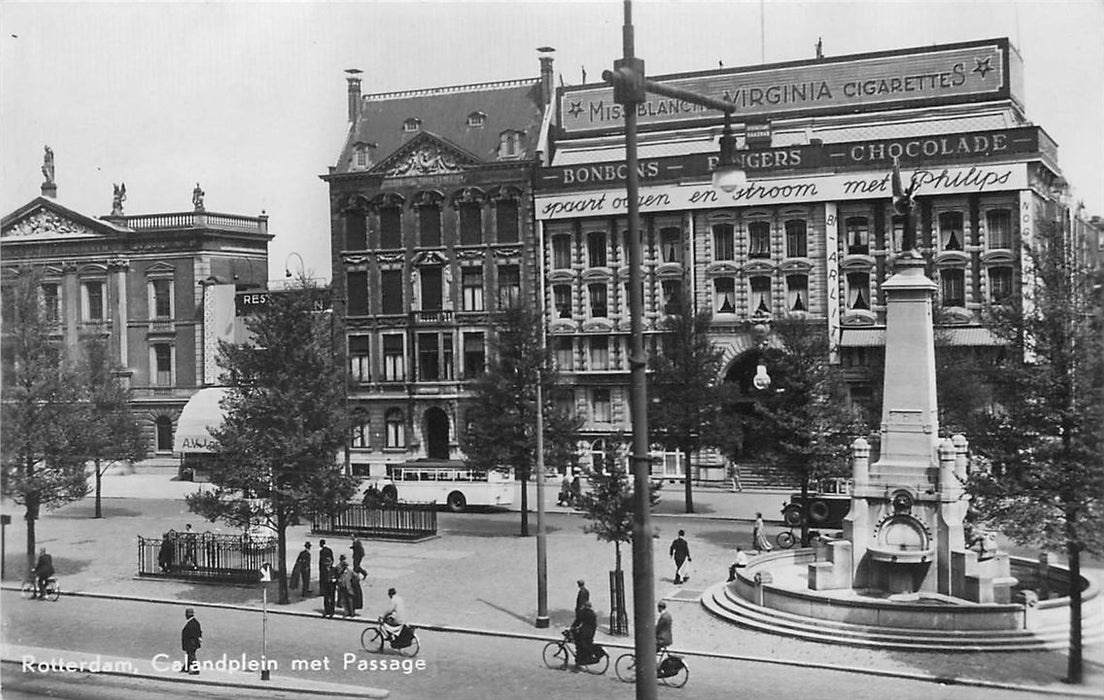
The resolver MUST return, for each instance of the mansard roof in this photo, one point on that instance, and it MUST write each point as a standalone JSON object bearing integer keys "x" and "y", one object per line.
{"x": 443, "y": 113}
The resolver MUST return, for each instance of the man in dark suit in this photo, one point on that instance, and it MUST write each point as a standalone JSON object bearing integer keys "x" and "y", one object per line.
{"x": 325, "y": 563}
{"x": 664, "y": 627}
{"x": 43, "y": 570}
{"x": 191, "y": 637}
{"x": 582, "y": 631}
{"x": 302, "y": 563}
{"x": 680, "y": 550}
{"x": 582, "y": 598}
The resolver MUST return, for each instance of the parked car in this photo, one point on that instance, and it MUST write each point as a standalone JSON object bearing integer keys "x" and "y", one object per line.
{"x": 829, "y": 503}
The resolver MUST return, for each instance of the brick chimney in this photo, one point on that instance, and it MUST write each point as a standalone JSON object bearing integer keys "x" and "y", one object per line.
{"x": 354, "y": 92}
{"x": 546, "y": 74}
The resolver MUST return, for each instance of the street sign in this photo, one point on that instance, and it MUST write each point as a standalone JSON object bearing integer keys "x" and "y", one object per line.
{"x": 266, "y": 573}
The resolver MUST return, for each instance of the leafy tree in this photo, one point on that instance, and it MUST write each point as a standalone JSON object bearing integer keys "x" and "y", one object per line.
{"x": 41, "y": 417}
{"x": 803, "y": 422}
{"x": 687, "y": 402}
{"x": 1043, "y": 438}
{"x": 110, "y": 432}
{"x": 609, "y": 506}
{"x": 502, "y": 413}
{"x": 275, "y": 456}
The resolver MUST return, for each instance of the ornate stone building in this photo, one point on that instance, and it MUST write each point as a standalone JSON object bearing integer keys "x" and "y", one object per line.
{"x": 159, "y": 287}
{"x": 431, "y": 232}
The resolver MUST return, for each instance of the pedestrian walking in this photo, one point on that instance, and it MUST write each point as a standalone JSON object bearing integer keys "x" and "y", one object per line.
{"x": 582, "y": 597}
{"x": 325, "y": 563}
{"x": 191, "y": 638}
{"x": 734, "y": 476}
{"x": 565, "y": 497}
{"x": 302, "y": 570}
{"x": 680, "y": 551}
{"x": 358, "y": 557}
{"x": 759, "y": 535}
{"x": 664, "y": 628}
{"x": 189, "y": 547}
{"x": 327, "y": 581}
{"x": 165, "y": 554}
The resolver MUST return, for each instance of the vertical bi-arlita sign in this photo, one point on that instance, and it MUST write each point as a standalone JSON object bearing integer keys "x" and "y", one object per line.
{"x": 832, "y": 280}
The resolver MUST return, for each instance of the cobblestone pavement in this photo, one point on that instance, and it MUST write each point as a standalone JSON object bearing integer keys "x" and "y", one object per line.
{"x": 486, "y": 581}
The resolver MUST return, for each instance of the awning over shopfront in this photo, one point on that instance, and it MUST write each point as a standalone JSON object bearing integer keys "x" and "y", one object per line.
{"x": 875, "y": 337}
{"x": 201, "y": 412}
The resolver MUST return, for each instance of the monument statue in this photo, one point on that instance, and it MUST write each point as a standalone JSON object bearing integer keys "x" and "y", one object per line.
{"x": 48, "y": 166}
{"x": 118, "y": 199}
{"x": 197, "y": 197}
{"x": 903, "y": 204}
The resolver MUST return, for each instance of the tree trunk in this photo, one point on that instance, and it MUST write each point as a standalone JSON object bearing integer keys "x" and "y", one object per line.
{"x": 1073, "y": 671}
{"x": 804, "y": 510}
{"x": 524, "y": 504}
{"x": 30, "y": 541}
{"x": 281, "y": 556}
{"x": 689, "y": 489}
{"x": 99, "y": 484}
{"x": 617, "y": 556}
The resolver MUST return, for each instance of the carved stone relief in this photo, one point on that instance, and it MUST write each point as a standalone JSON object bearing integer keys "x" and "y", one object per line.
{"x": 46, "y": 223}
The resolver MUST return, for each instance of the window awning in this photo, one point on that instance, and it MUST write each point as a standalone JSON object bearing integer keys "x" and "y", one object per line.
{"x": 875, "y": 337}
{"x": 201, "y": 412}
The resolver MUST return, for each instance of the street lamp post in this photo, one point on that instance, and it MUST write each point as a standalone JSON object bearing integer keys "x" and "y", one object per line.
{"x": 630, "y": 88}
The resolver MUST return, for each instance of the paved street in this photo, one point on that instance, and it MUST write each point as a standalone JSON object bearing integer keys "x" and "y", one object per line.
{"x": 477, "y": 575}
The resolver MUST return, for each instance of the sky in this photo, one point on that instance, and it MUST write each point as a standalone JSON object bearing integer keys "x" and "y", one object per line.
{"x": 249, "y": 99}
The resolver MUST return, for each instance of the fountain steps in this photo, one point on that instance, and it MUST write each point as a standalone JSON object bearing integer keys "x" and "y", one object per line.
{"x": 720, "y": 601}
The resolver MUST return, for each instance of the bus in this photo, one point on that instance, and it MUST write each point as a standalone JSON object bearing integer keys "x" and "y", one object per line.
{"x": 450, "y": 482}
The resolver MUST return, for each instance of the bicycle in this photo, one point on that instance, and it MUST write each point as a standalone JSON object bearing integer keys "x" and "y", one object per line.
{"x": 29, "y": 589}
{"x": 374, "y": 636}
{"x": 785, "y": 539}
{"x": 671, "y": 670}
{"x": 558, "y": 654}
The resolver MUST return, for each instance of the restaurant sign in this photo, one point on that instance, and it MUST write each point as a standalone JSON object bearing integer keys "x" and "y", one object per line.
{"x": 946, "y": 74}
{"x": 788, "y": 190}
{"x": 913, "y": 150}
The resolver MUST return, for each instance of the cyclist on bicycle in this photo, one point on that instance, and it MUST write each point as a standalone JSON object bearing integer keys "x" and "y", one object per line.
{"x": 664, "y": 635}
{"x": 582, "y": 632}
{"x": 43, "y": 570}
{"x": 395, "y": 618}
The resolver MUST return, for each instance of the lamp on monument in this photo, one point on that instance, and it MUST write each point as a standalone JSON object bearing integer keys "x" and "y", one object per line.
{"x": 761, "y": 380}
{"x": 727, "y": 174}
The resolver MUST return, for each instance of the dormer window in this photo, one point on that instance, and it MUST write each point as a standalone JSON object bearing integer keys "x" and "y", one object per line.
{"x": 509, "y": 145}
{"x": 412, "y": 125}
{"x": 477, "y": 119}
{"x": 362, "y": 155}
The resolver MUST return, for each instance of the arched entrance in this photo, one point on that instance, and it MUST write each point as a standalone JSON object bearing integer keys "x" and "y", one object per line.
{"x": 436, "y": 433}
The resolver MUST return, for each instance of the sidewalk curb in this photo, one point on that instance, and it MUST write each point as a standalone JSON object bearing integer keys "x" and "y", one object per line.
{"x": 335, "y": 689}
{"x": 923, "y": 677}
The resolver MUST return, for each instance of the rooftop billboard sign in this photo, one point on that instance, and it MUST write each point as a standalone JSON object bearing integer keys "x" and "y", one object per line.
{"x": 934, "y": 75}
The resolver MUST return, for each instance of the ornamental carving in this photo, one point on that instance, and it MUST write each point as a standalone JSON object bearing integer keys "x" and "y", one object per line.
{"x": 469, "y": 254}
{"x": 429, "y": 257}
{"x": 46, "y": 223}
{"x": 429, "y": 159}
{"x": 507, "y": 253}
{"x": 390, "y": 257}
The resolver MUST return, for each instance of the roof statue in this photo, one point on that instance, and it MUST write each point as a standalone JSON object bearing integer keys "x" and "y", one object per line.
{"x": 197, "y": 197}
{"x": 118, "y": 199}
{"x": 48, "y": 166}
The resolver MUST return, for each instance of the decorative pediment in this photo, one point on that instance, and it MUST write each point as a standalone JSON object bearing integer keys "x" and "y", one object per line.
{"x": 423, "y": 156}
{"x": 668, "y": 270}
{"x": 470, "y": 254}
{"x": 433, "y": 258}
{"x": 722, "y": 268}
{"x": 44, "y": 223}
{"x": 562, "y": 325}
{"x": 560, "y": 276}
{"x": 427, "y": 198}
{"x": 762, "y": 267}
{"x": 386, "y": 258}
{"x": 858, "y": 317}
{"x": 597, "y": 325}
{"x": 507, "y": 253}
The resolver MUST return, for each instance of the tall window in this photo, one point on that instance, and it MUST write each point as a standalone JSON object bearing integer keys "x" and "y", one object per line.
{"x": 599, "y": 352}
{"x": 162, "y": 364}
{"x": 356, "y": 231}
{"x": 396, "y": 428}
{"x": 672, "y": 296}
{"x": 391, "y": 289}
{"x": 797, "y": 292}
{"x": 596, "y": 249}
{"x": 858, "y": 290}
{"x": 431, "y": 288}
{"x": 358, "y": 358}
{"x": 953, "y": 287}
{"x": 724, "y": 295}
{"x": 561, "y": 300}
{"x": 475, "y": 358}
{"x": 51, "y": 301}
{"x": 598, "y": 447}
{"x": 390, "y": 227}
{"x": 561, "y": 251}
{"x": 998, "y": 228}
{"x": 160, "y": 296}
{"x": 760, "y": 294}
{"x": 448, "y": 360}
{"x": 394, "y": 368}
{"x": 565, "y": 353}
{"x": 509, "y": 285}
{"x": 597, "y": 293}
{"x": 509, "y": 144}
{"x": 471, "y": 279}
{"x": 600, "y": 405}
{"x": 429, "y": 224}
{"x": 471, "y": 223}
{"x": 950, "y": 230}
{"x": 93, "y": 301}
{"x": 362, "y": 430}
{"x": 506, "y": 220}
{"x": 796, "y": 239}
{"x": 724, "y": 242}
{"x": 357, "y": 283}
{"x": 858, "y": 235}
{"x": 759, "y": 239}
{"x": 164, "y": 428}
{"x": 671, "y": 244}
{"x": 429, "y": 363}
{"x": 1000, "y": 284}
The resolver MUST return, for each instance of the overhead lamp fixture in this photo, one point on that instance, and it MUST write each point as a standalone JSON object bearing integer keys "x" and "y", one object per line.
{"x": 728, "y": 176}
